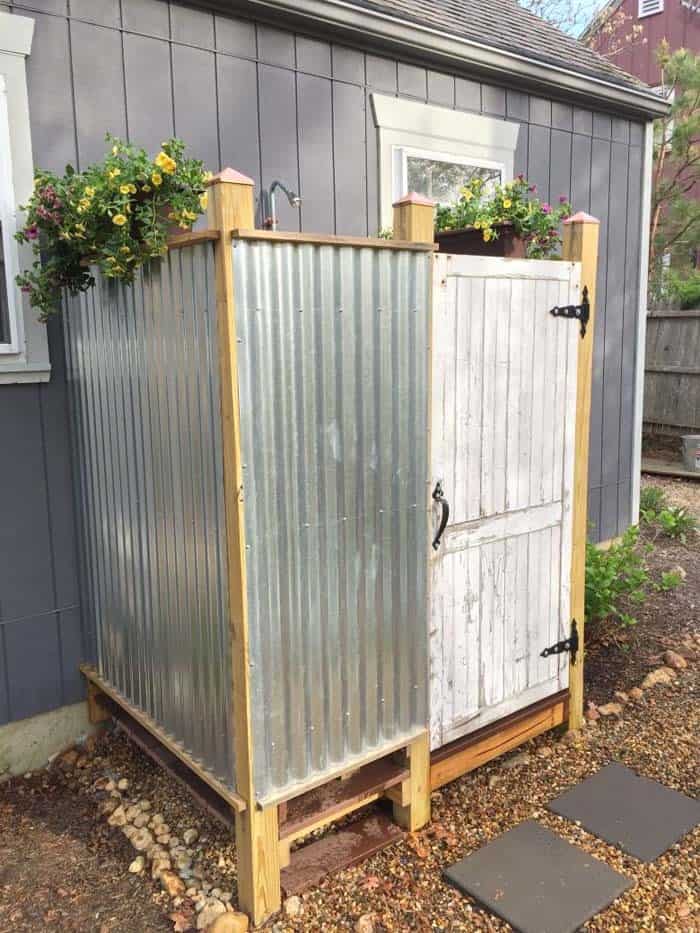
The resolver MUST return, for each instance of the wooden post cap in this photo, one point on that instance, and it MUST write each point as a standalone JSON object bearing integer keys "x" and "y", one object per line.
{"x": 231, "y": 176}
{"x": 414, "y": 198}
{"x": 581, "y": 218}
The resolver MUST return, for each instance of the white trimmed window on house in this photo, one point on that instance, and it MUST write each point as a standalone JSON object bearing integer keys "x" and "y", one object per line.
{"x": 435, "y": 151}
{"x": 23, "y": 345}
{"x": 650, "y": 7}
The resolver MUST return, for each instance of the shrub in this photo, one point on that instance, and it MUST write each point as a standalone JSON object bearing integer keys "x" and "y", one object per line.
{"x": 652, "y": 500}
{"x": 613, "y": 574}
{"x": 677, "y": 523}
{"x": 114, "y": 214}
{"x": 685, "y": 292}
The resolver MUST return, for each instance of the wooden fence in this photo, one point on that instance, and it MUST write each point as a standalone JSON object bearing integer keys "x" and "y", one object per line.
{"x": 672, "y": 372}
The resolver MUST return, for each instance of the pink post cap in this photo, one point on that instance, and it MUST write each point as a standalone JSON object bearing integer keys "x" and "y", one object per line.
{"x": 581, "y": 218}
{"x": 414, "y": 198}
{"x": 232, "y": 176}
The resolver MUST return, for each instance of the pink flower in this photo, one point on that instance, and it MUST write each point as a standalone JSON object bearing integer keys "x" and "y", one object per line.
{"x": 31, "y": 232}
{"x": 546, "y": 208}
{"x": 533, "y": 189}
{"x": 26, "y": 289}
{"x": 563, "y": 199}
{"x": 521, "y": 177}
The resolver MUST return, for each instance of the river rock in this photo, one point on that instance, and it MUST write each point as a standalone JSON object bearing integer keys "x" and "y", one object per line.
{"x": 675, "y": 660}
{"x": 636, "y": 693}
{"x": 171, "y": 884}
{"x": 123, "y": 784}
{"x": 293, "y": 906}
{"x": 141, "y": 840}
{"x": 661, "y": 675}
{"x": 118, "y": 817}
{"x": 610, "y": 709}
{"x": 229, "y": 923}
{"x": 208, "y": 914}
{"x": 138, "y": 865}
{"x": 189, "y": 836}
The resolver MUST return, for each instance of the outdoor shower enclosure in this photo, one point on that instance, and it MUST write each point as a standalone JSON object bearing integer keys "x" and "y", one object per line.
{"x": 262, "y": 426}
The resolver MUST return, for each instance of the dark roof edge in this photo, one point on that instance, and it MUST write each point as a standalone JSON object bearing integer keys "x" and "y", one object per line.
{"x": 490, "y": 60}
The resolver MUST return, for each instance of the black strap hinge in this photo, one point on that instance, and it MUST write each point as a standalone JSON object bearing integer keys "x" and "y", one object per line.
{"x": 581, "y": 312}
{"x": 569, "y": 644}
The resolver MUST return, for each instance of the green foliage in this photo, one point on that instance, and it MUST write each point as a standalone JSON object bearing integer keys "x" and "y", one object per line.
{"x": 613, "y": 574}
{"x": 675, "y": 216}
{"x": 652, "y": 500}
{"x": 483, "y": 207}
{"x": 115, "y": 214}
{"x": 670, "y": 579}
{"x": 677, "y": 523}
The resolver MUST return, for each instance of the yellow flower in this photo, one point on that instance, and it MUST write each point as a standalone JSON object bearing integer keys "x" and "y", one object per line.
{"x": 64, "y": 235}
{"x": 125, "y": 189}
{"x": 115, "y": 150}
{"x": 119, "y": 220}
{"x": 111, "y": 259}
{"x": 477, "y": 225}
{"x": 487, "y": 236}
{"x": 124, "y": 249}
{"x": 164, "y": 162}
{"x": 204, "y": 200}
{"x": 507, "y": 203}
{"x": 90, "y": 192}
{"x": 157, "y": 179}
{"x": 114, "y": 172}
{"x": 468, "y": 195}
{"x": 189, "y": 215}
{"x": 146, "y": 188}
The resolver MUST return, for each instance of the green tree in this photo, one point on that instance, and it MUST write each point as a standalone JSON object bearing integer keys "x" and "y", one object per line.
{"x": 675, "y": 205}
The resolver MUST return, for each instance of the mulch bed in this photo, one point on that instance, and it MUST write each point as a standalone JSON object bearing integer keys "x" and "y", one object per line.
{"x": 618, "y": 657}
{"x": 62, "y": 867}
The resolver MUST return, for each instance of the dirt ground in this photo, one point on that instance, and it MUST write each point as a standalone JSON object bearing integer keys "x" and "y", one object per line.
{"x": 63, "y": 868}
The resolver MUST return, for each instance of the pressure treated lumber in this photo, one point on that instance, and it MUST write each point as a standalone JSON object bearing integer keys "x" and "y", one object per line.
{"x": 230, "y": 207}
{"x": 414, "y": 218}
{"x": 581, "y": 245}
{"x": 464, "y": 755}
{"x": 235, "y": 801}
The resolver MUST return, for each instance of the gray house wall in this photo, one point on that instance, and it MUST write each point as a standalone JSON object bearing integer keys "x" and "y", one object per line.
{"x": 273, "y": 104}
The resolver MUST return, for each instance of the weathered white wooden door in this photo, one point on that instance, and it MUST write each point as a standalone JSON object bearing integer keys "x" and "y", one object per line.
{"x": 503, "y": 413}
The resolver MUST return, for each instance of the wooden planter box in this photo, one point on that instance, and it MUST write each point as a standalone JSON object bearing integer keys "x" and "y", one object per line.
{"x": 469, "y": 241}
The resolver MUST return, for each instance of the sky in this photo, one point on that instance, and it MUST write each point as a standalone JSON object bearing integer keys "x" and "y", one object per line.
{"x": 577, "y": 13}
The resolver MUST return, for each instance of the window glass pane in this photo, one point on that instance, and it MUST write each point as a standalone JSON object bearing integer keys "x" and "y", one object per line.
{"x": 442, "y": 180}
{"x": 4, "y": 306}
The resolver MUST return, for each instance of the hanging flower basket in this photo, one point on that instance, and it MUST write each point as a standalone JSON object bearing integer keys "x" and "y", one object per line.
{"x": 115, "y": 215}
{"x": 470, "y": 241}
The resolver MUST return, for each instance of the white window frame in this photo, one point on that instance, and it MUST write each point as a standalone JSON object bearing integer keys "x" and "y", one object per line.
{"x": 401, "y": 155}
{"x": 409, "y": 125}
{"x": 8, "y": 222}
{"x": 642, "y": 13}
{"x": 25, "y": 358}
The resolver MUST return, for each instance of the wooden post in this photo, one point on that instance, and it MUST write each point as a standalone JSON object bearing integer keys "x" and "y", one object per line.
{"x": 416, "y": 813}
{"x": 414, "y": 218}
{"x": 231, "y": 207}
{"x": 581, "y": 245}
{"x": 414, "y": 222}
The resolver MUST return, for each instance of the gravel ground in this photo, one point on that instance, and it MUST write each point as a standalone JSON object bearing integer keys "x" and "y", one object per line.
{"x": 53, "y": 838}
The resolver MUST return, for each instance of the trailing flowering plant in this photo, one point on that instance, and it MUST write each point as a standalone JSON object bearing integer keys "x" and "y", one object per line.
{"x": 116, "y": 215}
{"x": 484, "y": 208}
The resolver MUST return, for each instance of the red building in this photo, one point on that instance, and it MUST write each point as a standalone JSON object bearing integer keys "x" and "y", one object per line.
{"x": 628, "y": 32}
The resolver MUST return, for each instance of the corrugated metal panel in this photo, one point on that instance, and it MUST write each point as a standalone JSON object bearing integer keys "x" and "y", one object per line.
{"x": 333, "y": 358}
{"x": 142, "y": 364}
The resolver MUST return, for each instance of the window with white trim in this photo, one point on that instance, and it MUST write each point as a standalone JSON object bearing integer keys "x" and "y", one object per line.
{"x": 10, "y": 305}
{"x": 24, "y": 355}
{"x": 440, "y": 175}
{"x": 650, "y": 7}
{"x": 435, "y": 151}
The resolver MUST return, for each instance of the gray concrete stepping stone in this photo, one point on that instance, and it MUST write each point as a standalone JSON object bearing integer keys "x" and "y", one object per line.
{"x": 536, "y": 881}
{"x": 641, "y": 816}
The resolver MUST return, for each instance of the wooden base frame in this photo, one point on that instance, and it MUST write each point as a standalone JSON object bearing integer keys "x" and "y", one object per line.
{"x": 466, "y": 754}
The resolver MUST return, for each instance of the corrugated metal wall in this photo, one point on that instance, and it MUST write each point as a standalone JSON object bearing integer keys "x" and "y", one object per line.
{"x": 672, "y": 378}
{"x": 333, "y": 361}
{"x": 272, "y": 104}
{"x": 143, "y": 377}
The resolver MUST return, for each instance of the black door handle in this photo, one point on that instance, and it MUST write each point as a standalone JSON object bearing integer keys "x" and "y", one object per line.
{"x": 439, "y": 496}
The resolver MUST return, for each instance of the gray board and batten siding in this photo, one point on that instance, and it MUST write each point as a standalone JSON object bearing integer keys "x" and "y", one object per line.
{"x": 273, "y": 104}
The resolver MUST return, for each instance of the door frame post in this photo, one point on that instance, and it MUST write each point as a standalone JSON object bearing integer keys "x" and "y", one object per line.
{"x": 581, "y": 234}
{"x": 231, "y": 207}
{"x": 414, "y": 222}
